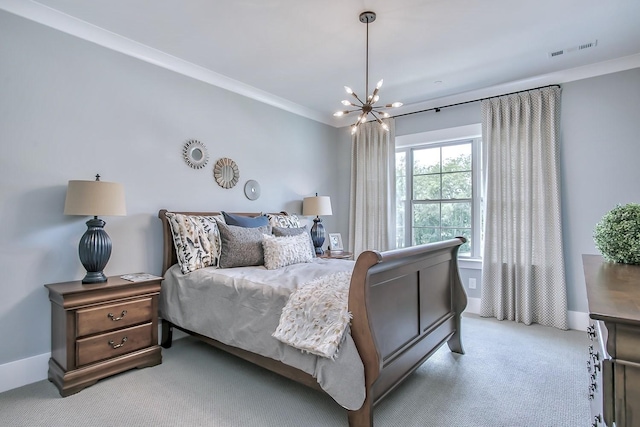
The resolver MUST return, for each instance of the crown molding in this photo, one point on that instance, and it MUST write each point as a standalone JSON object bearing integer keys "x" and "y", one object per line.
{"x": 52, "y": 18}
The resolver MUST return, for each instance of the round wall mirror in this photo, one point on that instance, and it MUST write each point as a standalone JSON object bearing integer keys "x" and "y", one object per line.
{"x": 226, "y": 173}
{"x": 195, "y": 154}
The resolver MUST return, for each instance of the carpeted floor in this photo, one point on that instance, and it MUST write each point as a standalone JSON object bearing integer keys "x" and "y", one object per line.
{"x": 511, "y": 375}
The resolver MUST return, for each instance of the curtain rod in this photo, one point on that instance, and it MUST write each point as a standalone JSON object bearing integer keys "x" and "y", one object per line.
{"x": 437, "y": 109}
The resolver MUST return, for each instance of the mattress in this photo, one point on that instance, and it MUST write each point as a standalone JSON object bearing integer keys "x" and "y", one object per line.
{"x": 241, "y": 307}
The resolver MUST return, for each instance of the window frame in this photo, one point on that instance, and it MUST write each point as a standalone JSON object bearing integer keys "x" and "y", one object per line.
{"x": 476, "y": 185}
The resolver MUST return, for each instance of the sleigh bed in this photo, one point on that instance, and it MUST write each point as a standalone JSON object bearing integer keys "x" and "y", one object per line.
{"x": 404, "y": 303}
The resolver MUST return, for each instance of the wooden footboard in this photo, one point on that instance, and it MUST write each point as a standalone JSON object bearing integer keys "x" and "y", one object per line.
{"x": 405, "y": 304}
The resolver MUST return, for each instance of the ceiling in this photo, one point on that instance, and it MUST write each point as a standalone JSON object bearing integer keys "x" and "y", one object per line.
{"x": 298, "y": 54}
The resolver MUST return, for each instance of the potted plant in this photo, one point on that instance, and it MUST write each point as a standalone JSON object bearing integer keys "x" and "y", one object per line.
{"x": 617, "y": 235}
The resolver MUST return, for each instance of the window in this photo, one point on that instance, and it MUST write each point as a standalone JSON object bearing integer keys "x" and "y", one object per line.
{"x": 438, "y": 194}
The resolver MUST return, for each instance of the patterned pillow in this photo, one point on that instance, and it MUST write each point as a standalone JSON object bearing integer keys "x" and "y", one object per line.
{"x": 283, "y": 231}
{"x": 241, "y": 246}
{"x": 196, "y": 239}
{"x": 245, "y": 221}
{"x": 284, "y": 220}
{"x": 286, "y": 250}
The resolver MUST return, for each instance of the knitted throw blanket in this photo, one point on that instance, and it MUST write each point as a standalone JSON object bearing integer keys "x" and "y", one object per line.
{"x": 316, "y": 316}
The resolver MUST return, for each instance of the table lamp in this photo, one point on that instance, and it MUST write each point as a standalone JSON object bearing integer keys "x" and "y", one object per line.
{"x": 317, "y": 205}
{"x": 93, "y": 198}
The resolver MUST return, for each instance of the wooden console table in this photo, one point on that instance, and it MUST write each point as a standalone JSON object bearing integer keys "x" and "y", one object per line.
{"x": 613, "y": 292}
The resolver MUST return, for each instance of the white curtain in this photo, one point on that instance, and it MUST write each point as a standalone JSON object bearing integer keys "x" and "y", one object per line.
{"x": 372, "y": 188}
{"x": 523, "y": 266}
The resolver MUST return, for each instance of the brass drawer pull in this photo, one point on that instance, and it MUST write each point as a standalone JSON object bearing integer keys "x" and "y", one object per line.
{"x": 115, "y": 319}
{"x": 114, "y": 345}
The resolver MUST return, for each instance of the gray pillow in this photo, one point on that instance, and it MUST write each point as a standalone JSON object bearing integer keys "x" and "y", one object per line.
{"x": 241, "y": 246}
{"x": 287, "y": 231}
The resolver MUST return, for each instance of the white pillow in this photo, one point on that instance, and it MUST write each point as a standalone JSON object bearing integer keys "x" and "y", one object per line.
{"x": 286, "y": 250}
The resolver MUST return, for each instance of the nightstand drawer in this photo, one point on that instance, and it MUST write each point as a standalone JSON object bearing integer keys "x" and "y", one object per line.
{"x": 113, "y": 316}
{"x": 106, "y": 346}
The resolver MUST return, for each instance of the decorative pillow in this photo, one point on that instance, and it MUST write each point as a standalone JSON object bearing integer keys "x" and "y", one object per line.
{"x": 283, "y": 231}
{"x": 245, "y": 221}
{"x": 241, "y": 246}
{"x": 286, "y": 250}
{"x": 283, "y": 220}
{"x": 196, "y": 239}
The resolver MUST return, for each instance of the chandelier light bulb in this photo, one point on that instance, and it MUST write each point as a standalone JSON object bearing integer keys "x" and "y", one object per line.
{"x": 379, "y": 85}
{"x": 384, "y": 126}
{"x": 348, "y": 89}
{"x": 339, "y": 113}
{"x": 376, "y": 98}
{"x": 346, "y": 102}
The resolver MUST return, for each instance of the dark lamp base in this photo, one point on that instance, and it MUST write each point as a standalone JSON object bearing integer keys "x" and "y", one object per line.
{"x": 94, "y": 277}
{"x": 317, "y": 235}
{"x": 95, "y": 251}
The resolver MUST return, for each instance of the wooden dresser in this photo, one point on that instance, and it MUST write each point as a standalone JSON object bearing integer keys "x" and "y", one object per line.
{"x": 101, "y": 329}
{"x": 613, "y": 292}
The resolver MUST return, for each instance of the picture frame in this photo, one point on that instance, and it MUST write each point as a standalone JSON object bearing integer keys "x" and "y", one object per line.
{"x": 335, "y": 242}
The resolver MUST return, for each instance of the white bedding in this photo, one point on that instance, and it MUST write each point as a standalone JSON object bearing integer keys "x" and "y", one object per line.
{"x": 241, "y": 307}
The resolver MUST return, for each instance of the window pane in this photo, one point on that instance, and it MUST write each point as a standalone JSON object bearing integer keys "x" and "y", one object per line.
{"x": 401, "y": 161}
{"x": 426, "y": 215}
{"x": 426, "y": 160}
{"x": 400, "y": 237}
{"x": 456, "y": 214}
{"x": 456, "y": 185}
{"x": 456, "y": 158}
{"x": 426, "y": 187}
{"x": 425, "y": 235}
{"x": 401, "y": 187}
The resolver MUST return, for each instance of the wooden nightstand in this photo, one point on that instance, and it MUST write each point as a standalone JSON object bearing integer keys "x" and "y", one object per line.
{"x": 337, "y": 255}
{"x": 102, "y": 329}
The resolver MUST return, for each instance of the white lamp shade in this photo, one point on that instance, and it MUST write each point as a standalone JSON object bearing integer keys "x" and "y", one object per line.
{"x": 316, "y": 206}
{"x": 95, "y": 198}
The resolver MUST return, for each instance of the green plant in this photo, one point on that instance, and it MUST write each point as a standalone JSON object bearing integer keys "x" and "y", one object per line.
{"x": 617, "y": 235}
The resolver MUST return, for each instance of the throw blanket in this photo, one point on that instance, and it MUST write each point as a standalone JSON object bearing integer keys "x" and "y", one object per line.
{"x": 316, "y": 315}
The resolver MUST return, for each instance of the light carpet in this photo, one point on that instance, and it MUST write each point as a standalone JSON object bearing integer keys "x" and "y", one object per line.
{"x": 512, "y": 375}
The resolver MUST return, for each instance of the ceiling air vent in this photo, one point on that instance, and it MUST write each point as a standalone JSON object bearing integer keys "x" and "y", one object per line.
{"x": 573, "y": 49}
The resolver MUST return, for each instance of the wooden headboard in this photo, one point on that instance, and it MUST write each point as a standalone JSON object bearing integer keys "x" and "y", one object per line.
{"x": 169, "y": 256}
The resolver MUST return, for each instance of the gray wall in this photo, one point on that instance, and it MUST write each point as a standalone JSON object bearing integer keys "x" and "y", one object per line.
{"x": 599, "y": 160}
{"x": 70, "y": 109}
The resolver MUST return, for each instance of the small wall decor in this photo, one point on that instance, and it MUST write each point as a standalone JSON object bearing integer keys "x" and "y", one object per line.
{"x": 252, "y": 189}
{"x": 195, "y": 154}
{"x": 226, "y": 173}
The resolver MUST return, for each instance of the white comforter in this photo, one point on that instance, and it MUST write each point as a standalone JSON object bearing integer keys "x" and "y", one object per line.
{"x": 241, "y": 307}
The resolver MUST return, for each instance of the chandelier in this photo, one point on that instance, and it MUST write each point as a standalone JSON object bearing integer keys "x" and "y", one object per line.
{"x": 368, "y": 107}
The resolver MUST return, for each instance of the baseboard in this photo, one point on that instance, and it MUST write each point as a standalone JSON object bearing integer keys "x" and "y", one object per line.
{"x": 577, "y": 320}
{"x": 473, "y": 306}
{"x": 24, "y": 371}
